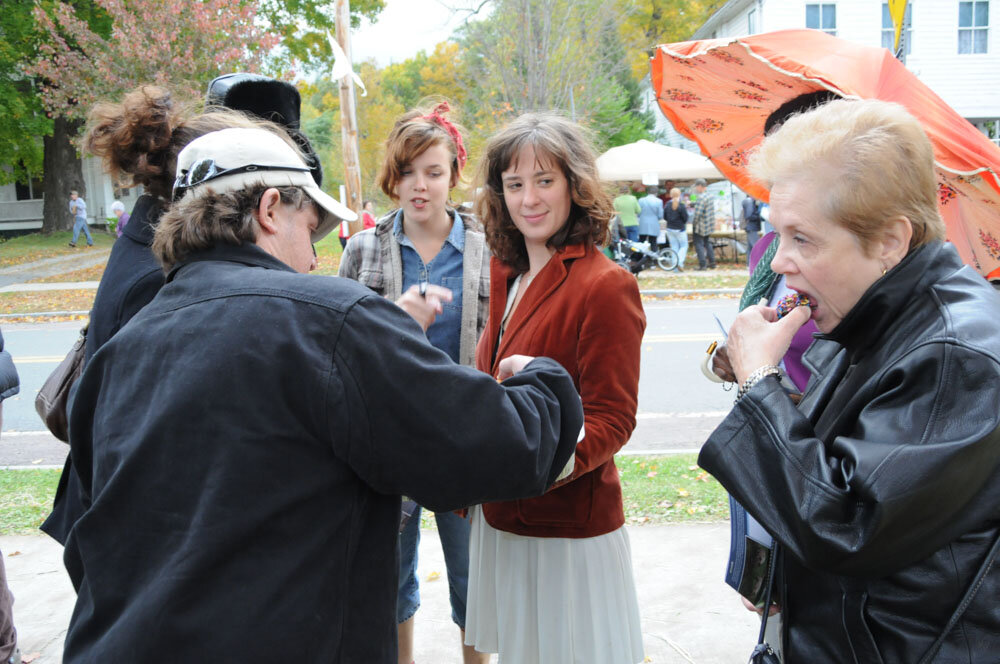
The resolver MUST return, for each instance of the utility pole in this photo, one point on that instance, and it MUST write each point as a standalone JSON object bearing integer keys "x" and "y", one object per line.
{"x": 348, "y": 117}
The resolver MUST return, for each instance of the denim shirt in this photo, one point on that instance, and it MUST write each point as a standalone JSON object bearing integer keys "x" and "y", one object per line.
{"x": 445, "y": 269}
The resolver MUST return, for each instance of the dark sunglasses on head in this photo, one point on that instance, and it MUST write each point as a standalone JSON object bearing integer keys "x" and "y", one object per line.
{"x": 205, "y": 170}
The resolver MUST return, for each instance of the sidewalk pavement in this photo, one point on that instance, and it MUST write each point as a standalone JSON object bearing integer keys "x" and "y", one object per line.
{"x": 688, "y": 614}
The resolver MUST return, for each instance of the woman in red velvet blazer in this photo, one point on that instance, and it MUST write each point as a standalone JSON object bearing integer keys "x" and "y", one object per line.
{"x": 551, "y": 577}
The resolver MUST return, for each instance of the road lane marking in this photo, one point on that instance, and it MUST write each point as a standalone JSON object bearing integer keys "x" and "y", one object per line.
{"x": 39, "y": 359}
{"x": 679, "y": 338}
{"x": 656, "y": 416}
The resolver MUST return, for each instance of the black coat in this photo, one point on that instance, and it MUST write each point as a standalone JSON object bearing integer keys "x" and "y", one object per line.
{"x": 247, "y": 510}
{"x": 676, "y": 219}
{"x": 131, "y": 281}
{"x": 883, "y": 486}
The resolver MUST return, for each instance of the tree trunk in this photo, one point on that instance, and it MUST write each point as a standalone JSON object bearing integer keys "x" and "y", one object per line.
{"x": 63, "y": 172}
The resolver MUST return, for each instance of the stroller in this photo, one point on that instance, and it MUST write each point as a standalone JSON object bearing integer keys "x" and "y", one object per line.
{"x": 638, "y": 256}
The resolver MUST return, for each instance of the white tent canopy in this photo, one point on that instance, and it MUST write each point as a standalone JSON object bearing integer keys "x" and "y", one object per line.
{"x": 642, "y": 159}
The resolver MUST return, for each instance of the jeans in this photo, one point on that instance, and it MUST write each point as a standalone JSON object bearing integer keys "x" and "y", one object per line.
{"x": 80, "y": 223}
{"x": 454, "y": 533}
{"x": 632, "y": 232}
{"x": 679, "y": 243}
{"x": 706, "y": 252}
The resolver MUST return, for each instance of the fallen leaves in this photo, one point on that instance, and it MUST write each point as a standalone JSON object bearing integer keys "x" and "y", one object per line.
{"x": 92, "y": 273}
{"x": 45, "y": 301}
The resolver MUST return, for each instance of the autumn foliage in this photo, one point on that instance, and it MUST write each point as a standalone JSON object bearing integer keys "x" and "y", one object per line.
{"x": 178, "y": 44}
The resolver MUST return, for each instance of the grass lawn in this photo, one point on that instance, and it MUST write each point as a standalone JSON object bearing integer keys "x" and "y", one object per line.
{"x": 36, "y": 302}
{"x": 36, "y": 246}
{"x": 26, "y": 499}
{"x": 328, "y": 254}
{"x": 657, "y": 489}
{"x": 691, "y": 281}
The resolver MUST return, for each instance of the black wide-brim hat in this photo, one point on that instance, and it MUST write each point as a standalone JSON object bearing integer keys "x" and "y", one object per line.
{"x": 267, "y": 98}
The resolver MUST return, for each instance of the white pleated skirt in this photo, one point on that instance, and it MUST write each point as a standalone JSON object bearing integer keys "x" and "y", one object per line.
{"x": 549, "y": 600}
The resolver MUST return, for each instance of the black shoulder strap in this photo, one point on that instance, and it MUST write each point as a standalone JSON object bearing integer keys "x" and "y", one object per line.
{"x": 970, "y": 593}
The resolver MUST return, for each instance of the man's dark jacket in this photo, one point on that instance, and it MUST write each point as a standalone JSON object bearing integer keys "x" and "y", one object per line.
{"x": 247, "y": 510}
{"x": 131, "y": 280}
{"x": 884, "y": 485}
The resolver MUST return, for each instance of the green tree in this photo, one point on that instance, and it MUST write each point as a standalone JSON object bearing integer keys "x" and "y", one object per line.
{"x": 22, "y": 118}
{"x": 303, "y": 25}
{"x": 530, "y": 55}
{"x": 648, "y": 23}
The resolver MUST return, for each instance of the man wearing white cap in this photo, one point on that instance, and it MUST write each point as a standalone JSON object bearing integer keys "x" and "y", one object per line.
{"x": 249, "y": 511}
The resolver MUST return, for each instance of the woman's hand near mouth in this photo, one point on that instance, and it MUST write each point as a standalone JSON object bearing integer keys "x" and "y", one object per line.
{"x": 758, "y": 338}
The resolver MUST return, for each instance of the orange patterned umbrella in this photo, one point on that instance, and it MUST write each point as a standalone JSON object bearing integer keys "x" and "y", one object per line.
{"x": 719, "y": 93}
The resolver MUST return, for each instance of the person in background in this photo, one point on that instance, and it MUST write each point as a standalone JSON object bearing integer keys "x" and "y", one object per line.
{"x": 550, "y": 578}
{"x": 676, "y": 216}
{"x": 138, "y": 139}
{"x": 9, "y": 653}
{"x": 368, "y": 215}
{"x": 882, "y": 485}
{"x": 751, "y": 222}
{"x": 78, "y": 208}
{"x": 118, "y": 209}
{"x": 427, "y": 243}
{"x": 627, "y": 208}
{"x": 650, "y": 214}
{"x": 703, "y": 225}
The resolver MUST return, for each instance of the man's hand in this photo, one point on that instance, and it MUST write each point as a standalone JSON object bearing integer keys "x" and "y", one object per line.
{"x": 758, "y": 339}
{"x": 424, "y": 308}
{"x": 750, "y": 607}
{"x": 511, "y": 365}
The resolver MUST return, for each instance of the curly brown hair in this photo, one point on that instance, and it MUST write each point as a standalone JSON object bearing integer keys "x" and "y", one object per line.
{"x": 564, "y": 144}
{"x": 199, "y": 222}
{"x": 413, "y": 134}
{"x": 139, "y": 139}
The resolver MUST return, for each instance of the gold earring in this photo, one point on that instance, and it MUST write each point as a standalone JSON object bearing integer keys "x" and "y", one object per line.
{"x": 884, "y": 271}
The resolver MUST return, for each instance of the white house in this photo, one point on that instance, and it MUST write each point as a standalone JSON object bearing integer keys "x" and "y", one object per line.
{"x": 21, "y": 202}
{"x": 948, "y": 44}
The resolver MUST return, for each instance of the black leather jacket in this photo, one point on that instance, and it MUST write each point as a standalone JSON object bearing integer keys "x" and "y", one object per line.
{"x": 883, "y": 486}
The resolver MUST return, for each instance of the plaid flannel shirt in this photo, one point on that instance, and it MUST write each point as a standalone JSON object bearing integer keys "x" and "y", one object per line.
{"x": 703, "y": 219}
{"x": 372, "y": 257}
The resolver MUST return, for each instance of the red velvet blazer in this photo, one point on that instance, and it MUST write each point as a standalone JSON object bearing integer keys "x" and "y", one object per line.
{"x": 583, "y": 311}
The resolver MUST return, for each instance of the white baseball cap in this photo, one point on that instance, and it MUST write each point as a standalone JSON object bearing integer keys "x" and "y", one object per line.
{"x": 238, "y": 157}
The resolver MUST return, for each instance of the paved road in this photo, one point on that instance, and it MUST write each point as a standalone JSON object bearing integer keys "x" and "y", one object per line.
{"x": 678, "y": 408}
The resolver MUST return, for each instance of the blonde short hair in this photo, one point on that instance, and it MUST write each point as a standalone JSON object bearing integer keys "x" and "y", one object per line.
{"x": 874, "y": 159}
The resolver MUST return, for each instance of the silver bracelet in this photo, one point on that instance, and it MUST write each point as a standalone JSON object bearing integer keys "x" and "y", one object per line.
{"x": 755, "y": 377}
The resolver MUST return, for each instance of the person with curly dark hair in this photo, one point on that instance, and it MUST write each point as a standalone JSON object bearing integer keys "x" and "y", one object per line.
{"x": 138, "y": 140}
{"x": 554, "y": 293}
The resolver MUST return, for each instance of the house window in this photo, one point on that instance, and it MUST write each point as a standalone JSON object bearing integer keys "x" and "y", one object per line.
{"x": 822, "y": 17}
{"x": 28, "y": 190}
{"x": 752, "y": 22}
{"x": 973, "y": 26}
{"x": 889, "y": 30}
{"x": 991, "y": 128}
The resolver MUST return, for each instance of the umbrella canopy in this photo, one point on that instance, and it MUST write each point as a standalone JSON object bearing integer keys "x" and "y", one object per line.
{"x": 635, "y": 160}
{"x": 719, "y": 93}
